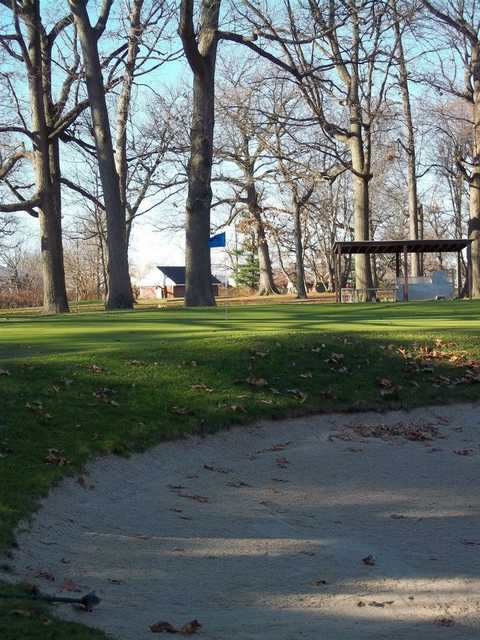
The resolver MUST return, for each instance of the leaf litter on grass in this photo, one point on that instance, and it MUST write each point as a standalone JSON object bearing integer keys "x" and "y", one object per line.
{"x": 408, "y": 431}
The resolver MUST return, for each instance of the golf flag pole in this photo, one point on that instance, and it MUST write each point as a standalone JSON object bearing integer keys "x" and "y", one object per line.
{"x": 216, "y": 242}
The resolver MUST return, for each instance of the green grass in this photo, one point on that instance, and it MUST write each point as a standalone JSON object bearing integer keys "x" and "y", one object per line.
{"x": 23, "y": 621}
{"x": 94, "y": 383}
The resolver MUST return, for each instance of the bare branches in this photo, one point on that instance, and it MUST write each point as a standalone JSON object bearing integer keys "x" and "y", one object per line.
{"x": 103, "y": 17}
{"x": 7, "y": 166}
{"x": 186, "y": 31}
{"x": 22, "y": 205}
{"x": 458, "y": 23}
{"x": 83, "y": 192}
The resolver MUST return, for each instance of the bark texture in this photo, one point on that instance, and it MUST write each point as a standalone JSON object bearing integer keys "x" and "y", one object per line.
{"x": 299, "y": 263}
{"x": 266, "y": 285}
{"x": 360, "y": 159}
{"x": 409, "y": 147}
{"x": 474, "y": 222}
{"x": 457, "y": 19}
{"x": 201, "y": 52}
{"x": 119, "y": 287}
{"x": 46, "y": 163}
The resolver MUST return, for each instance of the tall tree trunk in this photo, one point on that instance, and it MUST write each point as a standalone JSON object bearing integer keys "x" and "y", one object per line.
{"x": 124, "y": 99}
{"x": 474, "y": 222}
{"x": 199, "y": 290}
{"x": 363, "y": 271}
{"x": 467, "y": 30}
{"x": 46, "y": 161}
{"x": 119, "y": 287}
{"x": 299, "y": 264}
{"x": 361, "y": 177}
{"x": 266, "y": 285}
{"x": 201, "y": 52}
{"x": 409, "y": 147}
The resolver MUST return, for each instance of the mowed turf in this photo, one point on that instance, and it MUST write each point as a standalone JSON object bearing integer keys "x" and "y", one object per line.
{"x": 95, "y": 383}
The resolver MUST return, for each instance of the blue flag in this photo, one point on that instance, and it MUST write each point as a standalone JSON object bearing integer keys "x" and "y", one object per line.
{"x": 217, "y": 241}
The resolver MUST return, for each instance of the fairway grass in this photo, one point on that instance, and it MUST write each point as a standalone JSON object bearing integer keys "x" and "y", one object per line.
{"x": 95, "y": 383}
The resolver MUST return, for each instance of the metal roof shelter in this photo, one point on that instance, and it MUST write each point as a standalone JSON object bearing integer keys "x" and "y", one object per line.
{"x": 404, "y": 247}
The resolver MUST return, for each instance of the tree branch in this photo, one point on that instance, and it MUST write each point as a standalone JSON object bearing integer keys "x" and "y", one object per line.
{"x": 186, "y": 31}
{"x": 83, "y": 192}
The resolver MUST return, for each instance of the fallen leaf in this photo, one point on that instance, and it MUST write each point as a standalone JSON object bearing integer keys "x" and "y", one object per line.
{"x": 238, "y": 407}
{"x": 201, "y": 387}
{"x": 163, "y": 627}
{"x": 21, "y": 613}
{"x": 299, "y": 394}
{"x": 256, "y": 382}
{"x": 335, "y": 358}
{"x": 191, "y": 627}
{"x": 279, "y": 446}
{"x": 105, "y": 394}
{"x": 464, "y": 452}
{"x": 70, "y": 586}
{"x": 445, "y": 622}
{"x": 210, "y": 467}
{"x": 181, "y": 411}
{"x": 369, "y": 560}
{"x": 45, "y": 575}
{"x": 471, "y": 543}
{"x": 197, "y": 498}
{"x": 55, "y": 457}
{"x": 385, "y": 383}
{"x": 94, "y": 368}
{"x": 82, "y": 481}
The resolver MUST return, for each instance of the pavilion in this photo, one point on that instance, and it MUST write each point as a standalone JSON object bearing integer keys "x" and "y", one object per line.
{"x": 404, "y": 247}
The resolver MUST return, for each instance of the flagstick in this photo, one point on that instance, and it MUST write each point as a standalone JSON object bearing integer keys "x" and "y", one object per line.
{"x": 226, "y": 281}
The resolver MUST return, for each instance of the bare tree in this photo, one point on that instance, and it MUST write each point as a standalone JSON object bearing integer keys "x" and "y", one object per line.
{"x": 244, "y": 143}
{"x": 31, "y": 44}
{"x": 460, "y": 19}
{"x": 119, "y": 294}
{"x": 409, "y": 145}
{"x": 201, "y": 52}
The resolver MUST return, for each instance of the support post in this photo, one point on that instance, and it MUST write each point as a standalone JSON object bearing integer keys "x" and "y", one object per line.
{"x": 469, "y": 270}
{"x": 421, "y": 234}
{"x": 459, "y": 273}
{"x": 397, "y": 273}
{"x": 338, "y": 270}
{"x": 405, "y": 271}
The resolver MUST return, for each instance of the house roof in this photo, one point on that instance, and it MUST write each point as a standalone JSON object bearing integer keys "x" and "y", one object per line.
{"x": 177, "y": 275}
{"x": 397, "y": 246}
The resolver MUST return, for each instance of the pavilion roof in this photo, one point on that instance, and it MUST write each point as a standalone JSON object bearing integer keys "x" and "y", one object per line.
{"x": 398, "y": 246}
